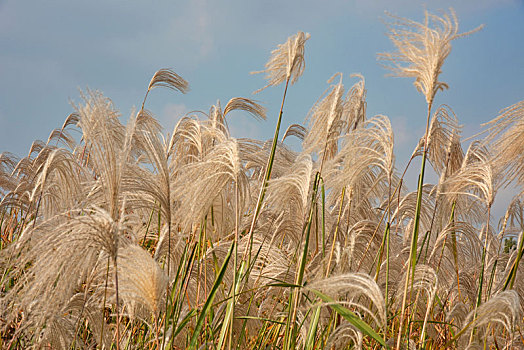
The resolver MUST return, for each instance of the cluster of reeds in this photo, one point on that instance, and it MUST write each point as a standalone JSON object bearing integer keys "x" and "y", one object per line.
{"x": 119, "y": 237}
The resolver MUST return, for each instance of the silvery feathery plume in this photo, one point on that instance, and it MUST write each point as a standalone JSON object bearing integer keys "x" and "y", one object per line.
{"x": 61, "y": 330}
{"x": 167, "y": 78}
{"x": 503, "y": 310}
{"x": 365, "y": 164}
{"x": 62, "y": 136}
{"x": 57, "y": 183}
{"x": 360, "y": 237}
{"x": 424, "y": 279}
{"x": 513, "y": 221}
{"x": 54, "y": 258}
{"x": 334, "y": 115}
{"x": 356, "y": 290}
{"x": 286, "y": 61}
{"x": 506, "y": 131}
{"x": 217, "y": 116}
{"x": 8, "y": 182}
{"x": 143, "y": 281}
{"x": 422, "y": 49}
{"x": 191, "y": 140}
{"x": 325, "y": 122}
{"x": 199, "y": 183}
{"x": 286, "y": 64}
{"x": 444, "y": 150}
{"x": 292, "y": 188}
{"x": 255, "y": 154}
{"x": 469, "y": 246}
{"x": 406, "y": 209}
{"x": 109, "y": 144}
{"x": 476, "y": 177}
{"x": 296, "y": 130}
{"x": 345, "y": 335}
{"x": 288, "y": 196}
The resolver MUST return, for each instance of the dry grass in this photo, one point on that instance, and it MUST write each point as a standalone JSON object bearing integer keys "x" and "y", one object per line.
{"x": 125, "y": 239}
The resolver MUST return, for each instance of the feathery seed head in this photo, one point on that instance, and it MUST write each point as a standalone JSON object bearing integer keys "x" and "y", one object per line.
{"x": 476, "y": 177}
{"x": 169, "y": 79}
{"x": 351, "y": 289}
{"x": 143, "y": 282}
{"x": 422, "y": 49}
{"x": 286, "y": 61}
{"x": 506, "y": 134}
{"x": 502, "y": 309}
{"x": 324, "y": 120}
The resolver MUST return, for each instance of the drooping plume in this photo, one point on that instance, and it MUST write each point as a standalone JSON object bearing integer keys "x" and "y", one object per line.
{"x": 286, "y": 61}
{"x": 422, "y": 49}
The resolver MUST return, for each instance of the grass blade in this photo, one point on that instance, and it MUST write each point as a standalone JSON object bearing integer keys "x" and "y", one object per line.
{"x": 352, "y": 318}
{"x": 310, "y": 340}
{"x": 209, "y": 301}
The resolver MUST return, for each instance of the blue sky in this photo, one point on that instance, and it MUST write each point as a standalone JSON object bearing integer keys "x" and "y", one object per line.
{"x": 51, "y": 49}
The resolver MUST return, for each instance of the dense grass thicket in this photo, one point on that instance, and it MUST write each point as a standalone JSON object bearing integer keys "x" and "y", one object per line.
{"x": 116, "y": 236}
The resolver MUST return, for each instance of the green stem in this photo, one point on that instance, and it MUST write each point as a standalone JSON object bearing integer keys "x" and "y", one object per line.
{"x": 323, "y": 218}
{"x": 510, "y": 280}
{"x": 289, "y": 339}
{"x": 414, "y": 236}
{"x": 269, "y": 167}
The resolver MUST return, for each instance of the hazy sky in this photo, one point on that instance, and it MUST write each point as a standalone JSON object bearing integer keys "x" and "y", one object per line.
{"x": 51, "y": 49}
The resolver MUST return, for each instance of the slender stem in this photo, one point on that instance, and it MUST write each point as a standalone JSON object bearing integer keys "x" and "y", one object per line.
{"x": 386, "y": 292}
{"x": 289, "y": 341}
{"x": 323, "y": 219}
{"x": 481, "y": 277}
{"x": 414, "y": 237}
{"x": 235, "y": 262}
{"x": 147, "y": 227}
{"x": 117, "y": 305}
{"x": 104, "y": 305}
{"x": 510, "y": 280}
{"x": 336, "y": 231}
{"x": 484, "y": 254}
{"x": 267, "y": 174}
{"x": 144, "y": 101}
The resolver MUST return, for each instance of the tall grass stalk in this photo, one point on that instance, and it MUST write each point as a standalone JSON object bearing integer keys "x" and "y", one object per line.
{"x": 117, "y": 308}
{"x": 290, "y": 334}
{"x": 268, "y": 168}
{"x": 510, "y": 279}
{"x": 482, "y": 270}
{"x": 411, "y": 264}
{"x": 207, "y": 306}
{"x": 104, "y": 302}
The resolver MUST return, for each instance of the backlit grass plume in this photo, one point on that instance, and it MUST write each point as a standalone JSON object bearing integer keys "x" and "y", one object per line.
{"x": 422, "y": 49}
{"x": 286, "y": 62}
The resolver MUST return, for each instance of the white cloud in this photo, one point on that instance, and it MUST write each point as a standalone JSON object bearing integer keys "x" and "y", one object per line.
{"x": 184, "y": 34}
{"x": 171, "y": 113}
{"x": 245, "y": 127}
{"x": 203, "y": 34}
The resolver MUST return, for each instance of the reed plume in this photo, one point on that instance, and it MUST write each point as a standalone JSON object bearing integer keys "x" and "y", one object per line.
{"x": 286, "y": 62}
